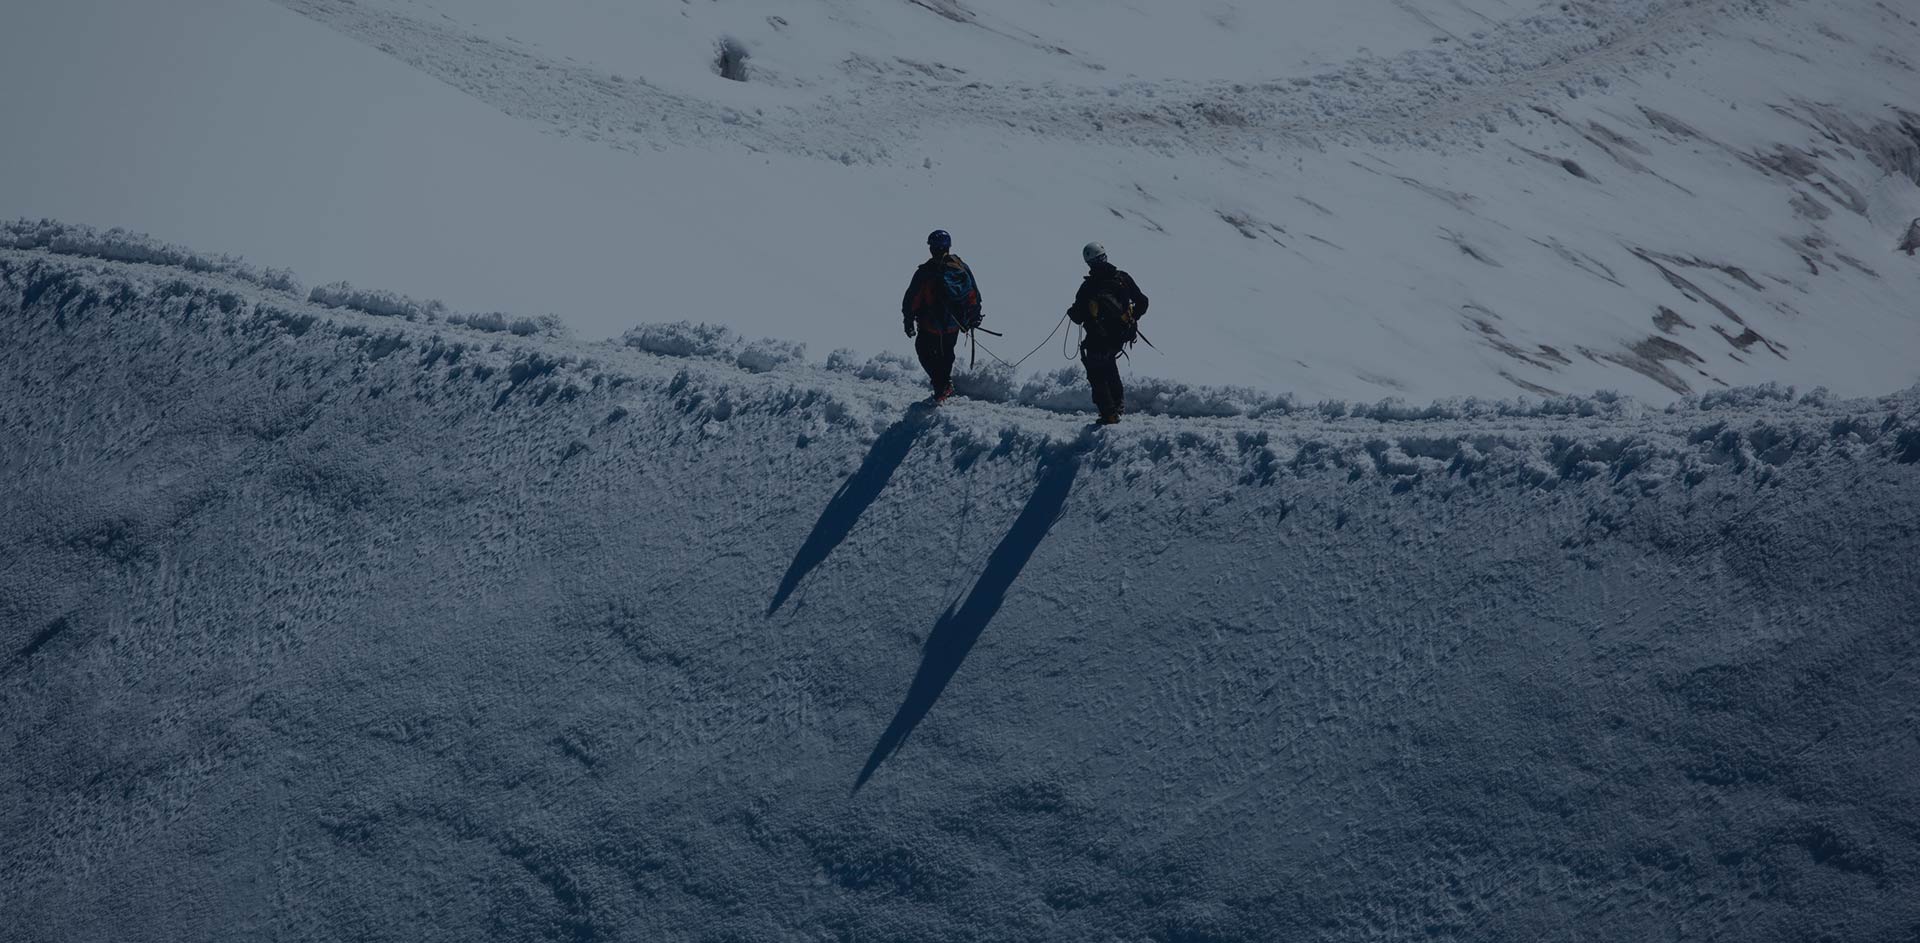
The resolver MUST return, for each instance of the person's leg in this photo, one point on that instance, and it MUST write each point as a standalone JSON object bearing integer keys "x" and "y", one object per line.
{"x": 1110, "y": 382}
{"x": 1093, "y": 380}
{"x": 949, "y": 346}
{"x": 1102, "y": 376}
{"x": 927, "y": 345}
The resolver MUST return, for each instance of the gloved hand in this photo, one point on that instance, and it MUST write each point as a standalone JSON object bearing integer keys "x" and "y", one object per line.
{"x": 909, "y": 326}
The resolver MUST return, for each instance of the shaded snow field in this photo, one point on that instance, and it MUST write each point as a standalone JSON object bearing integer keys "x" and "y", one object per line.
{"x": 1347, "y": 199}
{"x": 320, "y": 624}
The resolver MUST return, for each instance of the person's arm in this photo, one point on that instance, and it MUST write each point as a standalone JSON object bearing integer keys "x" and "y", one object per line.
{"x": 1077, "y": 311}
{"x": 1139, "y": 298}
{"x": 906, "y": 301}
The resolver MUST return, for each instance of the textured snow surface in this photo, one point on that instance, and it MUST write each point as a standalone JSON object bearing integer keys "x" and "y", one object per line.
{"x": 317, "y": 624}
{"x": 1341, "y": 199}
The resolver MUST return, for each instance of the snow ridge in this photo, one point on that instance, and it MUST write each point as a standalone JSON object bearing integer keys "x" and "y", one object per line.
{"x": 342, "y": 624}
{"x": 1060, "y": 390}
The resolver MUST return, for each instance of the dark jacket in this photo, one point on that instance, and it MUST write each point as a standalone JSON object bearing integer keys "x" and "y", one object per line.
{"x": 927, "y": 305}
{"x": 1103, "y": 279}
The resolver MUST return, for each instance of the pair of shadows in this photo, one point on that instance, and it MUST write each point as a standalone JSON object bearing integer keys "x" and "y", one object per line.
{"x": 956, "y": 631}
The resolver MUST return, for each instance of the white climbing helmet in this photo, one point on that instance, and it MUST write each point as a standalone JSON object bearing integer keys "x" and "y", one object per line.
{"x": 1093, "y": 252}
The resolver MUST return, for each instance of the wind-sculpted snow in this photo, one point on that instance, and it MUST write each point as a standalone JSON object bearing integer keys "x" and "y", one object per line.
{"x": 122, "y": 246}
{"x": 318, "y": 624}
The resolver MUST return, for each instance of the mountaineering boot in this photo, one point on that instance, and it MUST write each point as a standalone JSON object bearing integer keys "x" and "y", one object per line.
{"x": 941, "y": 396}
{"x": 1108, "y": 419}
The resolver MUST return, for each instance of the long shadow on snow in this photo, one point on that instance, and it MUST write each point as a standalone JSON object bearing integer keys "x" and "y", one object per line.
{"x": 954, "y": 634}
{"x": 853, "y": 498}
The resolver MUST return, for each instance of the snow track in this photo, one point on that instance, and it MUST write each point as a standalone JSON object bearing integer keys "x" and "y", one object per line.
{"x": 1417, "y": 96}
{"x": 338, "y": 625}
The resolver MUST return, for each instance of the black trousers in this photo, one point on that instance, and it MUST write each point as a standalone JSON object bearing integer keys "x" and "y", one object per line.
{"x": 936, "y": 357}
{"x": 1103, "y": 374}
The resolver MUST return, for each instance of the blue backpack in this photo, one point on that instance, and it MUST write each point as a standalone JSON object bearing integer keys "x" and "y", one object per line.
{"x": 963, "y": 295}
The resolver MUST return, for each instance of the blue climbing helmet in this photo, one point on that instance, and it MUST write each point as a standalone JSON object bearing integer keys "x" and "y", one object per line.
{"x": 938, "y": 239}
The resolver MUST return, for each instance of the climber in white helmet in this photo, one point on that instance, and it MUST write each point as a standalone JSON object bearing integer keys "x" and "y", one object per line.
{"x": 1108, "y": 305}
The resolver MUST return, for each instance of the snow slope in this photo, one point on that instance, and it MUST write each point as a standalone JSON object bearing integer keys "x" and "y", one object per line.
{"x": 1335, "y": 200}
{"x": 325, "y": 625}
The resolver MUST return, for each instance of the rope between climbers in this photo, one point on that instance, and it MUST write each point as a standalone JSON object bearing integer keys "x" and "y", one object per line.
{"x": 1015, "y": 365}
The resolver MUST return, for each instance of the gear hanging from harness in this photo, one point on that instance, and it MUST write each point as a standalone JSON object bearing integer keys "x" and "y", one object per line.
{"x": 1109, "y": 320}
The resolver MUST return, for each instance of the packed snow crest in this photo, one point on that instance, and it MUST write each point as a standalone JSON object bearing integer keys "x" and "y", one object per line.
{"x": 326, "y": 613}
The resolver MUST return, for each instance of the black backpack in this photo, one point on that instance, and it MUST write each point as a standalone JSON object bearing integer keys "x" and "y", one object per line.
{"x": 1108, "y": 313}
